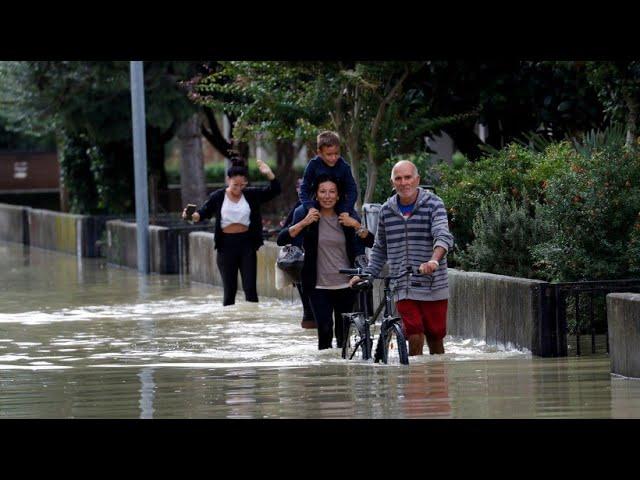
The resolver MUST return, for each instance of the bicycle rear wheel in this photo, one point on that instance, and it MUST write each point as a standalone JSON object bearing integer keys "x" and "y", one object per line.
{"x": 357, "y": 343}
{"x": 393, "y": 345}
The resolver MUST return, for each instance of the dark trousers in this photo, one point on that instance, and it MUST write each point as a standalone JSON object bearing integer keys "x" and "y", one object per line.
{"x": 236, "y": 252}
{"x": 327, "y": 305}
{"x": 306, "y": 305}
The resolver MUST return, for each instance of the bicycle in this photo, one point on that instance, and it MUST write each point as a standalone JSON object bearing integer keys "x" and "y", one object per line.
{"x": 358, "y": 342}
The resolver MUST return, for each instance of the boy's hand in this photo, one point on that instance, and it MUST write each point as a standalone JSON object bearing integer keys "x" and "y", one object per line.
{"x": 265, "y": 170}
{"x": 348, "y": 221}
{"x": 312, "y": 216}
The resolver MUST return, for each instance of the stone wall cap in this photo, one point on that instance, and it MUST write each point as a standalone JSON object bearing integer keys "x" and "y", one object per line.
{"x": 201, "y": 234}
{"x": 9, "y": 206}
{"x": 494, "y": 276}
{"x": 634, "y": 297}
{"x": 53, "y": 213}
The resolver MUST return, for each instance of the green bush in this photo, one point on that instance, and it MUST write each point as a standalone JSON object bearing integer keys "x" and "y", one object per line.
{"x": 112, "y": 169}
{"x": 633, "y": 252}
{"x": 75, "y": 170}
{"x": 98, "y": 178}
{"x": 593, "y": 208}
{"x": 505, "y": 232}
{"x": 458, "y": 160}
{"x": 215, "y": 172}
{"x": 509, "y": 171}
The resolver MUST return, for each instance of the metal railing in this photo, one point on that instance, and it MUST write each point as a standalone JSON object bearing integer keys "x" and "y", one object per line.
{"x": 577, "y": 309}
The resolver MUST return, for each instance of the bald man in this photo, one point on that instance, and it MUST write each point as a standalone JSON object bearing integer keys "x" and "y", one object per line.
{"x": 413, "y": 231}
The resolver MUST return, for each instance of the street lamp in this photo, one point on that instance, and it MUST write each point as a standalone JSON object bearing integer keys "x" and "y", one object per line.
{"x": 140, "y": 165}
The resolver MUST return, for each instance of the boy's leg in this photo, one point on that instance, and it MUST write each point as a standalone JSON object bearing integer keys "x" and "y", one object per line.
{"x": 350, "y": 210}
{"x": 308, "y": 320}
{"x": 298, "y": 214}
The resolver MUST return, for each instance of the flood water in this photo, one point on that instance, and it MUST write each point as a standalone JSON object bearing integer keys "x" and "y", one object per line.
{"x": 80, "y": 339}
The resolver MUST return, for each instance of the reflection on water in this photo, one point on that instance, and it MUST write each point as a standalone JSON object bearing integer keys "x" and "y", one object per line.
{"x": 79, "y": 339}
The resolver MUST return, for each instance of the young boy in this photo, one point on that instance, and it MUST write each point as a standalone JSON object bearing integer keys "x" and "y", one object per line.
{"x": 328, "y": 161}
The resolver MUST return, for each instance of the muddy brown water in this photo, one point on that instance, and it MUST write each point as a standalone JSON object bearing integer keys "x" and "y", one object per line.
{"x": 81, "y": 339}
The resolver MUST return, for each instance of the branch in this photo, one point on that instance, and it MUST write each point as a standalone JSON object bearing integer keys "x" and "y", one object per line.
{"x": 214, "y": 136}
{"x": 383, "y": 106}
{"x": 168, "y": 134}
{"x": 337, "y": 118}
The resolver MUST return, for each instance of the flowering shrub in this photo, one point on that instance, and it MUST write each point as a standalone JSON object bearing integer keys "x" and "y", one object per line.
{"x": 509, "y": 172}
{"x": 593, "y": 210}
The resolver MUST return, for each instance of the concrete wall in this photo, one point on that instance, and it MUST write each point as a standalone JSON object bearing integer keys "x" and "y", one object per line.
{"x": 168, "y": 246}
{"x": 14, "y": 223}
{"x": 498, "y": 309}
{"x": 623, "y": 317}
{"x": 203, "y": 268}
{"x": 122, "y": 247}
{"x": 56, "y": 231}
{"x": 74, "y": 234}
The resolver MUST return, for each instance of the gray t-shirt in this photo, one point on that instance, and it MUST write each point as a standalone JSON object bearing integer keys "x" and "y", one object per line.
{"x": 332, "y": 254}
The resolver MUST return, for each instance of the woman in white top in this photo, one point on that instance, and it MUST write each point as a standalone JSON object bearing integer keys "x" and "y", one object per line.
{"x": 238, "y": 228}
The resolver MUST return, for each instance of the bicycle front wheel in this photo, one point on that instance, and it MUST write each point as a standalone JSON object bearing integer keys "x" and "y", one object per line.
{"x": 394, "y": 345}
{"x": 357, "y": 344}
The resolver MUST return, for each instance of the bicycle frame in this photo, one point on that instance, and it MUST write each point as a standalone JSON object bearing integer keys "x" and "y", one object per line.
{"x": 388, "y": 320}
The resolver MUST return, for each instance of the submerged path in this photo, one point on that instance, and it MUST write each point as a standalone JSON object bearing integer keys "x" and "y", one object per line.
{"x": 80, "y": 339}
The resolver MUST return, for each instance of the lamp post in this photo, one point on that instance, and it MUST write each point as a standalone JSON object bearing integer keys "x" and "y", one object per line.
{"x": 140, "y": 165}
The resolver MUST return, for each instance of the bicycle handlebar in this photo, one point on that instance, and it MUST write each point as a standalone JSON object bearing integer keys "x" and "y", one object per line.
{"x": 413, "y": 271}
{"x": 351, "y": 271}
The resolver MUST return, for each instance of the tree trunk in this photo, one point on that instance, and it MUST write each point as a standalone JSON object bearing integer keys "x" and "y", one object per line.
{"x": 157, "y": 178}
{"x": 64, "y": 196}
{"x": 354, "y": 160}
{"x": 355, "y": 169}
{"x": 372, "y": 178}
{"x": 632, "y": 121}
{"x": 64, "y": 192}
{"x": 192, "y": 177}
{"x": 286, "y": 175}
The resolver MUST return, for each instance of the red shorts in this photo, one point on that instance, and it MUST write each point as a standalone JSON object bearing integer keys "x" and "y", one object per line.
{"x": 429, "y": 318}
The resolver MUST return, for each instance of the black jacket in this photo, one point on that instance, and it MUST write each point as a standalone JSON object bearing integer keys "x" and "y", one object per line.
{"x": 309, "y": 272}
{"x": 255, "y": 196}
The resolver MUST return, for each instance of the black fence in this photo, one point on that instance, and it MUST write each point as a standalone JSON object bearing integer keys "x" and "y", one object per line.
{"x": 573, "y": 310}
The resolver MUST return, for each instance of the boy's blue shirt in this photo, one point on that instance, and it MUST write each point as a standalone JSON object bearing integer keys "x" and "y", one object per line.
{"x": 341, "y": 171}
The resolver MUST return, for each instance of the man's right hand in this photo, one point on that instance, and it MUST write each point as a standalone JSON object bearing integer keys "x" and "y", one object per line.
{"x": 353, "y": 281}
